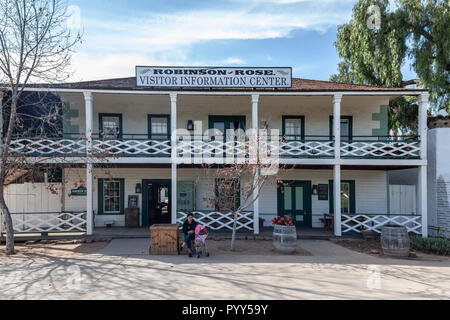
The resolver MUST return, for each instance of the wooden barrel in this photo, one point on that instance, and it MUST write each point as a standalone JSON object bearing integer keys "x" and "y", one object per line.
{"x": 285, "y": 239}
{"x": 395, "y": 241}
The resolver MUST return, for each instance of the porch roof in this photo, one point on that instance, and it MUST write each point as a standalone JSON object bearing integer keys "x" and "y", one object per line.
{"x": 298, "y": 85}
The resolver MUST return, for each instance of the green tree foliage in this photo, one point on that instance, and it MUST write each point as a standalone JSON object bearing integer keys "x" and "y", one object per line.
{"x": 376, "y": 43}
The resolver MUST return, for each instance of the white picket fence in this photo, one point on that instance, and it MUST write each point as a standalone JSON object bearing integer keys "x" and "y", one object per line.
{"x": 215, "y": 220}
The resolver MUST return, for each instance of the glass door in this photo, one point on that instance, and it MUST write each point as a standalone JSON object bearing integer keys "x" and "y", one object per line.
{"x": 294, "y": 199}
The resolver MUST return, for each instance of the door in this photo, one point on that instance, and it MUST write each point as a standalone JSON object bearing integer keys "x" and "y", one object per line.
{"x": 156, "y": 202}
{"x": 294, "y": 199}
{"x": 221, "y": 124}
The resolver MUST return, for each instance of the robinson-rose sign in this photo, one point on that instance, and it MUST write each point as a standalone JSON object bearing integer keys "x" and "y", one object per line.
{"x": 213, "y": 77}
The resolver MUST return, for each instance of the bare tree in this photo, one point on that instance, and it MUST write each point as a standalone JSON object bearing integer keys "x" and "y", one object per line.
{"x": 238, "y": 185}
{"x": 35, "y": 46}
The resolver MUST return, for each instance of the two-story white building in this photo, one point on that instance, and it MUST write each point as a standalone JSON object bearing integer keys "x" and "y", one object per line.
{"x": 334, "y": 136}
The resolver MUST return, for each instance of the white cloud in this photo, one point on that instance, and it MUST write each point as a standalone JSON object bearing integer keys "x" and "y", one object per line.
{"x": 113, "y": 46}
{"x": 232, "y": 60}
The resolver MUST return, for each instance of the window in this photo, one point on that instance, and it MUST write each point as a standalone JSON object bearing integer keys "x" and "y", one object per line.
{"x": 346, "y": 128}
{"x": 348, "y": 197}
{"x": 223, "y": 123}
{"x": 110, "y": 125}
{"x": 228, "y": 194}
{"x": 111, "y": 196}
{"x": 294, "y": 128}
{"x": 159, "y": 127}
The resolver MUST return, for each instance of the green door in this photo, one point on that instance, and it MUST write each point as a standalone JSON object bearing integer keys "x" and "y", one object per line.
{"x": 294, "y": 199}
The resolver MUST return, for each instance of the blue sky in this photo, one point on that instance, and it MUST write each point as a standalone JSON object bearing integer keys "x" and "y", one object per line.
{"x": 118, "y": 35}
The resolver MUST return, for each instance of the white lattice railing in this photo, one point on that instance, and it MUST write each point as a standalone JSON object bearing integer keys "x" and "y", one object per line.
{"x": 210, "y": 149}
{"x": 47, "y": 222}
{"x": 380, "y": 149}
{"x": 215, "y": 149}
{"x": 360, "y": 222}
{"x": 298, "y": 149}
{"x": 215, "y": 220}
{"x": 152, "y": 148}
{"x": 48, "y": 147}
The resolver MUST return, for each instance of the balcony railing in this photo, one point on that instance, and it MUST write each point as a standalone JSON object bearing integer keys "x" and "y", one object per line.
{"x": 287, "y": 147}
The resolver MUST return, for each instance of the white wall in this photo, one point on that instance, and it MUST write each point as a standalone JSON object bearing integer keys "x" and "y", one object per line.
{"x": 34, "y": 197}
{"x": 316, "y": 109}
{"x": 402, "y": 199}
{"x": 439, "y": 180}
{"x": 371, "y": 189}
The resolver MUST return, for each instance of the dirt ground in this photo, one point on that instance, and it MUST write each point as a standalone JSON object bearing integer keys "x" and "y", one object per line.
{"x": 57, "y": 249}
{"x": 373, "y": 247}
{"x": 75, "y": 248}
{"x": 249, "y": 247}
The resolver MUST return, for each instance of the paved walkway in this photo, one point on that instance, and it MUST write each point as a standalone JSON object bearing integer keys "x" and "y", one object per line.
{"x": 123, "y": 270}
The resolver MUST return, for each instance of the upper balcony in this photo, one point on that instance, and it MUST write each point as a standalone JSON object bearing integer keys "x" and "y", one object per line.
{"x": 137, "y": 127}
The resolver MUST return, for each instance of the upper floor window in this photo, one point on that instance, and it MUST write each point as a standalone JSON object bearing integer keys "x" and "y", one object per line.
{"x": 159, "y": 127}
{"x": 110, "y": 125}
{"x": 294, "y": 128}
{"x": 346, "y": 128}
{"x": 221, "y": 124}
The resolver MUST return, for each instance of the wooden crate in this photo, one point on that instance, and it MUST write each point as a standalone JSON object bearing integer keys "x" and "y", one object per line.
{"x": 164, "y": 239}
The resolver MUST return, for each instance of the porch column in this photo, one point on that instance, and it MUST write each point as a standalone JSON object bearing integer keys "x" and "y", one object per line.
{"x": 337, "y": 99}
{"x": 89, "y": 165}
{"x": 422, "y": 176}
{"x": 424, "y": 103}
{"x": 255, "y": 126}
{"x": 173, "y": 127}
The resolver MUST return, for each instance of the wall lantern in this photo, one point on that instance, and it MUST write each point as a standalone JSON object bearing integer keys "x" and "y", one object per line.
{"x": 315, "y": 190}
{"x": 190, "y": 125}
{"x": 138, "y": 188}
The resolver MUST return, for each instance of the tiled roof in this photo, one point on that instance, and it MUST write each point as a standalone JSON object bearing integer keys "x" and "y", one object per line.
{"x": 298, "y": 85}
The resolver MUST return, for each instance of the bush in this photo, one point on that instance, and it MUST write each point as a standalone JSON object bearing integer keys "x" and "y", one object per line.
{"x": 439, "y": 246}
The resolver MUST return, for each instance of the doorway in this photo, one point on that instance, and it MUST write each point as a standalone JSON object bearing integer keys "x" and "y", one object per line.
{"x": 294, "y": 199}
{"x": 156, "y": 202}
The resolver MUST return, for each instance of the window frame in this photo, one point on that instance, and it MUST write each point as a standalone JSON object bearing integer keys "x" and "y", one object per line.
{"x": 100, "y": 125}
{"x": 101, "y": 198}
{"x": 350, "y": 129}
{"x": 149, "y": 125}
{"x": 302, "y": 118}
{"x": 238, "y": 196}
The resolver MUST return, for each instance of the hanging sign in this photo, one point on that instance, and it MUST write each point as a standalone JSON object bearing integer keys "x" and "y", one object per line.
{"x": 213, "y": 77}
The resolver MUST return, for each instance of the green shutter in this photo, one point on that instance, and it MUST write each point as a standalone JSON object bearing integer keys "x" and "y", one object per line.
{"x": 100, "y": 196}
{"x": 122, "y": 196}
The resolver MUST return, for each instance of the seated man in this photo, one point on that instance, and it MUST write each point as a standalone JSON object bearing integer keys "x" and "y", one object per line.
{"x": 189, "y": 232}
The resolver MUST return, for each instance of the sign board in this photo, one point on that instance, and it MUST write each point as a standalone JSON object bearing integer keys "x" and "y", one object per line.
{"x": 79, "y": 192}
{"x": 323, "y": 192}
{"x": 213, "y": 77}
{"x": 133, "y": 201}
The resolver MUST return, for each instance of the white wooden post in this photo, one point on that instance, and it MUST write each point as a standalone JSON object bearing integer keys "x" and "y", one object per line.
{"x": 89, "y": 165}
{"x": 422, "y": 177}
{"x": 337, "y": 200}
{"x": 173, "y": 126}
{"x": 337, "y": 168}
{"x": 255, "y": 101}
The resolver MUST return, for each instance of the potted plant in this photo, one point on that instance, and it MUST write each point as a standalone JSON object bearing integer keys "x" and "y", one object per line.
{"x": 284, "y": 234}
